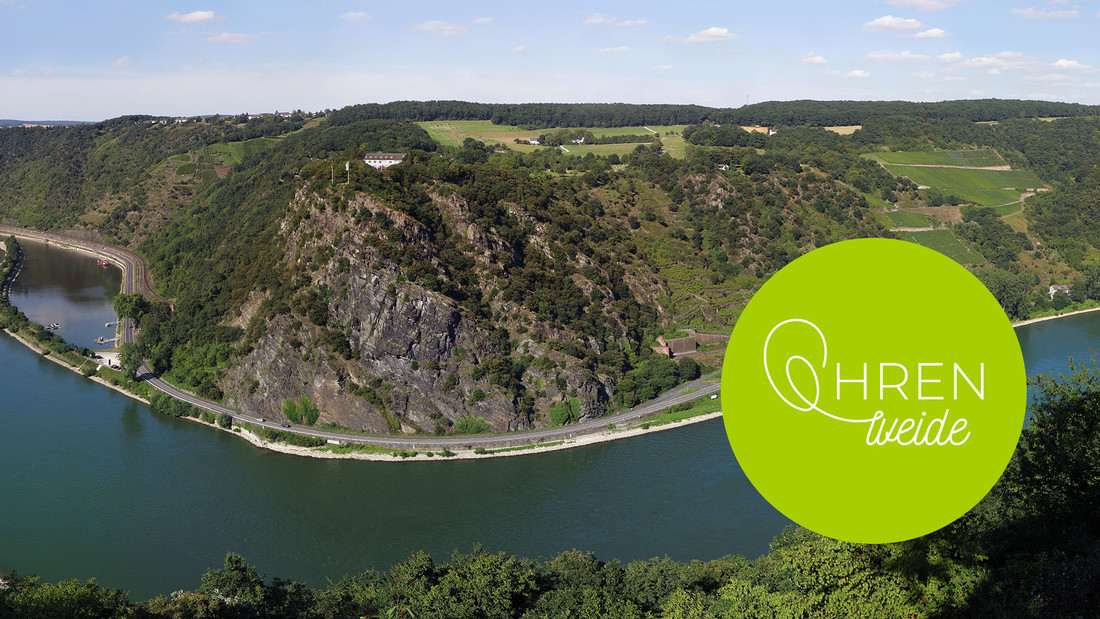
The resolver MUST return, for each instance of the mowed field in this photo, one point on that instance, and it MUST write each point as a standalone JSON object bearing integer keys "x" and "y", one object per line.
{"x": 968, "y": 158}
{"x": 453, "y": 132}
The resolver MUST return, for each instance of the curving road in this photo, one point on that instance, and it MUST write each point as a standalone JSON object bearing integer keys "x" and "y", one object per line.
{"x": 131, "y": 263}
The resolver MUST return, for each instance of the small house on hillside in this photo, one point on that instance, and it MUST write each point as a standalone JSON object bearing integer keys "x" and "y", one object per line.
{"x": 679, "y": 346}
{"x": 1055, "y": 288}
{"x": 382, "y": 160}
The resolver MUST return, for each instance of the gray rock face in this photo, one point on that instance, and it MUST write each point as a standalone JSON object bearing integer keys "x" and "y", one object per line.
{"x": 413, "y": 351}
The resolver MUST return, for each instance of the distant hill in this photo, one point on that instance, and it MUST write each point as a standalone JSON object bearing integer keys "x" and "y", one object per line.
{"x": 7, "y": 122}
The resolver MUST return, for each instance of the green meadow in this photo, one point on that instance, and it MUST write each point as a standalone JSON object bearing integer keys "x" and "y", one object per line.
{"x": 984, "y": 187}
{"x": 907, "y": 219}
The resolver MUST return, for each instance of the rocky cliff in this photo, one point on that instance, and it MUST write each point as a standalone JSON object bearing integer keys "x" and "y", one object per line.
{"x": 379, "y": 353}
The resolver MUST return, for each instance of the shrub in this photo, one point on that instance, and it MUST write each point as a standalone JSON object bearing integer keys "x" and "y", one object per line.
{"x": 471, "y": 425}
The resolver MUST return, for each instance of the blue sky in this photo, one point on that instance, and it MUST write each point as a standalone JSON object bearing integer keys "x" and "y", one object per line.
{"x": 97, "y": 59}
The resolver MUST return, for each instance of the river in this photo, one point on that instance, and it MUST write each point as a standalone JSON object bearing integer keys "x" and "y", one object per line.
{"x": 94, "y": 484}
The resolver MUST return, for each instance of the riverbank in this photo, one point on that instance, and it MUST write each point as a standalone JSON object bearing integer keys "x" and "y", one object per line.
{"x": 46, "y": 353}
{"x": 583, "y": 440}
{"x": 1032, "y": 321}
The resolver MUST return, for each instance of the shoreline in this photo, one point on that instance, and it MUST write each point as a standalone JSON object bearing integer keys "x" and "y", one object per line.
{"x": 1054, "y": 317}
{"x": 603, "y": 435}
{"x": 65, "y": 364}
{"x": 593, "y": 438}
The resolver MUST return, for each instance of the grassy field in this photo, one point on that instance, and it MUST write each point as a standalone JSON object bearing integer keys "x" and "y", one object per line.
{"x": 945, "y": 243}
{"x": 844, "y": 130}
{"x": 700, "y": 406}
{"x": 909, "y": 219}
{"x": 984, "y": 187}
{"x": 1007, "y": 209}
{"x": 876, "y": 201}
{"x": 452, "y": 133}
{"x": 967, "y": 158}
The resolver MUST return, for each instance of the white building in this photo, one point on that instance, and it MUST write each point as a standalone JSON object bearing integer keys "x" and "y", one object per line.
{"x": 382, "y": 160}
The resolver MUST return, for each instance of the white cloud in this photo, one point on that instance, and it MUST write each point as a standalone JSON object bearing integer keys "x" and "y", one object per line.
{"x": 892, "y": 56}
{"x": 663, "y": 67}
{"x": 613, "y": 50}
{"x": 812, "y": 58}
{"x": 924, "y": 75}
{"x": 954, "y": 78}
{"x": 441, "y": 28}
{"x": 193, "y": 17}
{"x": 950, "y": 57}
{"x": 18, "y": 72}
{"x": 933, "y": 33}
{"x": 599, "y": 19}
{"x": 124, "y": 61}
{"x": 481, "y": 21}
{"x": 889, "y": 23}
{"x": 989, "y": 72}
{"x": 1003, "y": 60}
{"x": 924, "y": 5}
{"x": 1046, "y": 13}
{"x": 713, "y": 34}
{"x": 354, "y": 16}
{"x": 519, "y": 49}
{"x": 860, "y": 73}
{"x": 976, "y": 93}
{"x": 1049, "y": 77}
{"x": 235, "y": 37}
{"x": 1062, "y": 63}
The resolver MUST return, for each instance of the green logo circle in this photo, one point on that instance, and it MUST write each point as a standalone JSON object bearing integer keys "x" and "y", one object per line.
{"x": 873, "y": 390}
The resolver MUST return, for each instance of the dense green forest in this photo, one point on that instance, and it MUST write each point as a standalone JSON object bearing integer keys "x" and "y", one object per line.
{"x": 809, "y": 113}
{"x": 1029, "y": 549}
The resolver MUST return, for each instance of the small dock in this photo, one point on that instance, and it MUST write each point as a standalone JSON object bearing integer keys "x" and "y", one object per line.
{"x": 104, "y": 340}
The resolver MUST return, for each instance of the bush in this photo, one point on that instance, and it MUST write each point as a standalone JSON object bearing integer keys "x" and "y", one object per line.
{"x": 471, "y": 425}
{"x": 225, "y": 420}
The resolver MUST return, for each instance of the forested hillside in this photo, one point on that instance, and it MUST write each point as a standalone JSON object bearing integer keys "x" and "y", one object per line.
{"x": 807, "y": 113}
{"x": 475, "y": 287}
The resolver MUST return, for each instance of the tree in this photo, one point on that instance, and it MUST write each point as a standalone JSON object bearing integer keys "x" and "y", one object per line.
{"x": 1061, "y": 300}
{"x": 1009, "y": 289}
{"x": 129, "y": 357}
{"x": 237, "y": 584}
{"x": 131, "y": 306}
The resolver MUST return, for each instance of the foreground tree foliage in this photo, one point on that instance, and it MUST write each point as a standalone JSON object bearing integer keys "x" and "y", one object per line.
{"x": 1030, "y": 549}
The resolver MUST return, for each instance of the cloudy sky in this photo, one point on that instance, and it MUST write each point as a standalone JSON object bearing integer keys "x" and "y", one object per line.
{"x": 95, "y": 59}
